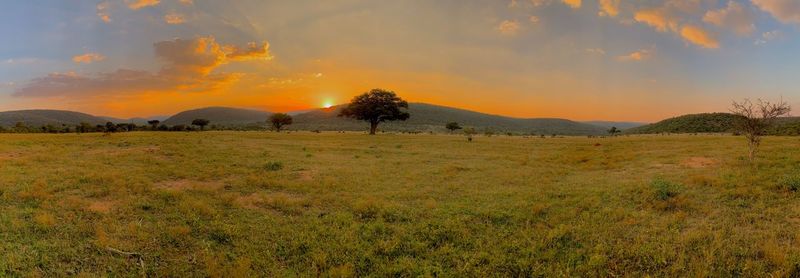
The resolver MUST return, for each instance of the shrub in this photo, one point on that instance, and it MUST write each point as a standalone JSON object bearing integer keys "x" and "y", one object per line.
{"x": 790, "y": 183}
{"x": 273, "y": 166}
{"x": 664, "y": 190}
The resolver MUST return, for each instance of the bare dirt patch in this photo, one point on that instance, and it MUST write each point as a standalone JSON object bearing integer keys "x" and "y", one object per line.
{"x": 699, "y": 162}
{"x": 184, "y": 184}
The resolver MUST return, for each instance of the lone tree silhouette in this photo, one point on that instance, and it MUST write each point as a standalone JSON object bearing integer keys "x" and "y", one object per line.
{"x": 755, "y": 118}
{"x": 613, "y": 131}
{"x": 452, "y": 126}
{"x": 376, "y": 106}
{"x": 202, "y": 123}
{"x": 279, "y": 120}
{"x": 154, "y": 124}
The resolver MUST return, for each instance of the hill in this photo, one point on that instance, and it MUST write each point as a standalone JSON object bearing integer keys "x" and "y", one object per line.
{"x": 619, "y": 125}
{"x": 712, "y": 123}
{"x": 224, "y": 116}
{"x": 692, "y": 123}
{"x": 428, "y": 117}
{"x": 41, "y": 117}
{"x": 137, "y": 120}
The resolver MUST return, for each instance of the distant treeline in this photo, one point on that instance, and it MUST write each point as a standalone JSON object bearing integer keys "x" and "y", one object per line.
{"x": 111, "y": 127}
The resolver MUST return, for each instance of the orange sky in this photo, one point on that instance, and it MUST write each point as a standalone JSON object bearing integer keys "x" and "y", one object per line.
{"x": 582, "y": 60}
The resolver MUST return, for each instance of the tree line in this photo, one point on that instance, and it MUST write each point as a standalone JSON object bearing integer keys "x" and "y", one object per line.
{"x": 277, "y": 122}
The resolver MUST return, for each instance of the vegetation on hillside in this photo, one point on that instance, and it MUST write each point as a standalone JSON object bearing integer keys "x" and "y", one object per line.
{"x": 713, "y": 123}
{"x": 693, "y": 123}
{"x": 38, "y": 118}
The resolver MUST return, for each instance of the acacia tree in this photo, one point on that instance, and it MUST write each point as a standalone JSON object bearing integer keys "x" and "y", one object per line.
{"x": 202, "y": 123}
{"x": 613, "y": 131}
{"x": 154, "y": 124}
{"x": 754, "y": 118}
{"x": 452, "y": 126}
{"x": 376, "y": 106}
{"x": 279, "y": 120}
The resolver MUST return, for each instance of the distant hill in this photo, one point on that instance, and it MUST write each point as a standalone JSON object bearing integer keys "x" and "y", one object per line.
{"x": 619, "y": 125}
{"x": 692, "y": 123}
{"x": 712, "y": 123}
{"x": 428, "y": 117}
{"x": 138, "y": 121}
{"x": 47, "y": 117}
{"x": 224, "y": 116}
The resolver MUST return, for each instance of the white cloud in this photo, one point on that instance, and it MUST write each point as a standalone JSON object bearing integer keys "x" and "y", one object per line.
{"x": 103, "y": 12}
{"x": 508, "y": 27}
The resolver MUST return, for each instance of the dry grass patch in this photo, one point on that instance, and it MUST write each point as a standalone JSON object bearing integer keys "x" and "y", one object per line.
{"x": 103, "y": 207}
{"x": 699, "y": 162}
{"x": 185, "y": 184}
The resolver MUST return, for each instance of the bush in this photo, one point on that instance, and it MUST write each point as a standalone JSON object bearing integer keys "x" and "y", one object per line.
{"x": 664, "y": 190}
{"x": 790, "y": 183}
{"x": 273, "y": 166}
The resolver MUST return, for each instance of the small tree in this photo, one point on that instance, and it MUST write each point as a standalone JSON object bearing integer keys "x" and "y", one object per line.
{"x": 613, "y": 131}
{"x": 202, "y": 123}
{"x": 469, "y": 132}
{"x": 279, "y": 120}
{"x": 110, "y": 127}
{"x": 153, "y": 124}
{"x": 755, "y": 118}
{"x": 452, "y": 126}
{"x": 376, "y": 106}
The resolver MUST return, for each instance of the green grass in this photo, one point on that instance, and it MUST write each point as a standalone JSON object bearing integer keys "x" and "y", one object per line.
{"x": 303, "y": 204}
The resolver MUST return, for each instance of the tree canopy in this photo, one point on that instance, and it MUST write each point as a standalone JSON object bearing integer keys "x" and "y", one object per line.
{"x": 278, "y": 120}
{"x": 376, "y": 106}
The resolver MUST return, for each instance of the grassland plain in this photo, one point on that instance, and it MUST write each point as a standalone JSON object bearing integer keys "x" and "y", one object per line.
{"x": 305, "y": 204}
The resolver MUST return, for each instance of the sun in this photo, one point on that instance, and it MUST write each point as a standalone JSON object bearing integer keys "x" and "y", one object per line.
{"x": 327, "y": 103}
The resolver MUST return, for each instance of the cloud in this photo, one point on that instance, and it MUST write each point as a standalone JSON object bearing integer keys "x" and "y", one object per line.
{"x": 769, "y": 36}
{"x": 186, "y": 2}
{"x": 699, "y": 36}
{"x": 513, "y": 4}
{"x": 88, "y": 58}
{"x": 639, "y": 55}
{"x": 508, "y": 27}
{"x": 575, "y": 4}
{"x": 596, "y": 51}
{"x": 253, "y": 51}
{"x": 609, "y": 8}
{"x": 174, "y": 18}
{"x": 188, "y": 66}
{"x": 138, "y": 4}
{"x": 734, "y": 17}
{"x": 103, "y": 11}
{"x": 786, "y": 11}
{"x": 659, "y": 19}
{"x": 534, "y": 19}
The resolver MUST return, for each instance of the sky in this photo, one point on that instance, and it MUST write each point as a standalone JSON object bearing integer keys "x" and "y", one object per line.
{"x": 624, "y": 60}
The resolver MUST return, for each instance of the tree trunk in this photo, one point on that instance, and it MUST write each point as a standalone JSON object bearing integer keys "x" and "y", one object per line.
{"x": 373, "y": 126}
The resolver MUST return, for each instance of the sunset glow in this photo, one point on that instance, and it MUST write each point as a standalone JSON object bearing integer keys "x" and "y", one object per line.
{"x": 582, "y": 60}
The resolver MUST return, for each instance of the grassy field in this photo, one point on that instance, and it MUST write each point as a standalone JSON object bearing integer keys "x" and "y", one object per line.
{"x": 304, "y": 204}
